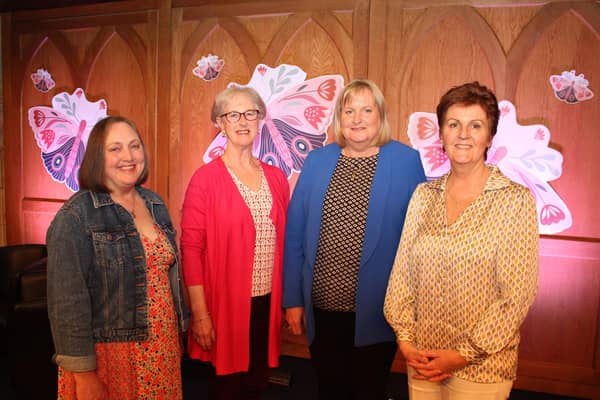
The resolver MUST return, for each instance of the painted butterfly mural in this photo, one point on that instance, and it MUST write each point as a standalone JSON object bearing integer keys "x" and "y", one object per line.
{"x": 62, "y": 132}
{"x": 520, "y": 151}
{"x": 570, "y": 88}
{"x": 208, "y": 67}
{"x": 42, "y": 80}
{"x": 299, "y": 112}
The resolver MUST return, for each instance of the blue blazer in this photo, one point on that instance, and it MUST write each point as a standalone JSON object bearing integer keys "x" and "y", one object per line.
{"x": 399, "y": 171}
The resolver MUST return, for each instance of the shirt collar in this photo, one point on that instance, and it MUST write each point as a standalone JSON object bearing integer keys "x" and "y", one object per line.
{"x": 496, "y": 181}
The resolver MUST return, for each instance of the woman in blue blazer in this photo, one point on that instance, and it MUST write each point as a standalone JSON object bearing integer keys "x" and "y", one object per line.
{"x": 344, "y": 224}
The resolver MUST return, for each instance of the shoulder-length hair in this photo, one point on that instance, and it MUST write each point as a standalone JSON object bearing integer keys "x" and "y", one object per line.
{"x": 91, "y": 173}
{"x": 352, "y": 88}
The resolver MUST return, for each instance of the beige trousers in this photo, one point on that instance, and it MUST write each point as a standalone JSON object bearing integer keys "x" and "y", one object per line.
{"x": 455, "y": 388}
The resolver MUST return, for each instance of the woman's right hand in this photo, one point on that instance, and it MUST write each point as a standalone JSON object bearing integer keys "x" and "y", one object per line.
{"x": 421, "y": 363}
{"x": 294, "y": 316}
{"x": 203, "y": 332}
{"x": 89, "y": 387}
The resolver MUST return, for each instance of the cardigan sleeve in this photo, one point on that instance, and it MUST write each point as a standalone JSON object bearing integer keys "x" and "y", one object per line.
{"x": 193, "y": 231}
{"x": 516, "y": 274}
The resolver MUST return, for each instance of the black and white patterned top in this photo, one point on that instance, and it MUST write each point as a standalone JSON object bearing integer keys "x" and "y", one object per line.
{"x": 342, "y": 233}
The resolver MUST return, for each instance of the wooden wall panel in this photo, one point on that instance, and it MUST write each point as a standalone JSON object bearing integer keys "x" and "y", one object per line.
{"x": 112, "y": 57}
{"x": 320, "y": 43}
{"x": 567, "y": 41}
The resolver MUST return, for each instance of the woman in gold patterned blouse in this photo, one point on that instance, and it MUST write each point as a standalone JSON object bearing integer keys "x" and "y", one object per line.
{"x": 465, "y": 273}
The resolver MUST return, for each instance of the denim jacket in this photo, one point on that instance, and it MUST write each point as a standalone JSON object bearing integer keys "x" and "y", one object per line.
{"x": 97, "y": 289}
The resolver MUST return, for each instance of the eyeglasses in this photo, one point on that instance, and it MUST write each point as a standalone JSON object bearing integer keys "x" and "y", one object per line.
{"x": 234, "y": 116}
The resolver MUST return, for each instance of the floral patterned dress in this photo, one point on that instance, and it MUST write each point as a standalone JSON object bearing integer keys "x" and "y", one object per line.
{"x": 142, "y": 370}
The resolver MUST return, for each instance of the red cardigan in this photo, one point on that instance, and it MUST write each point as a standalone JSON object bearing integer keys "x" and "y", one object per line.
{"x": 217, "y": 245}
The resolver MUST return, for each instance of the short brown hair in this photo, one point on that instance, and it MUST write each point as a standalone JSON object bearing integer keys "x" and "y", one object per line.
{"x": 223, "y": 97}
{"x": 469, "y": 94}
{"x": 91, "y": 173}
{"x": 357, "y": 86}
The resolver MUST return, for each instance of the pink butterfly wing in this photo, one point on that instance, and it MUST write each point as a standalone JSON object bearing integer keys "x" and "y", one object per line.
{"x": 60, "y": 139}
{"x": 423, "y": 132}
{"x": 51, "y": 128}
{"x": 216, "y": 148}
{"x": 297, "y": 121}
{"x": 308, "y": 104}
{"x": 62, "y": 136}
{"x": 522, "y": 153}
{"x": 553, "y": 214}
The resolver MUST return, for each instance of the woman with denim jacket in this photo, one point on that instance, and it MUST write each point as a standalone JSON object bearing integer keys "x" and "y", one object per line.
{"x": 114, "y": 296}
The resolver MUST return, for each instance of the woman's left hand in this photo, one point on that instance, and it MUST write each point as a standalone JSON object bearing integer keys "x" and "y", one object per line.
{"x": 440, "y": 366}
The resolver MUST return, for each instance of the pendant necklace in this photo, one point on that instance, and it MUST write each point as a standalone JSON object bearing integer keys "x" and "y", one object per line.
{"x": 132, "y": 212}
{"x": 355, "y": 169}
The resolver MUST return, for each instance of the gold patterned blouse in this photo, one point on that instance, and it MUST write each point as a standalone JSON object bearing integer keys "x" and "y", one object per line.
{"x": 467, "y": 286}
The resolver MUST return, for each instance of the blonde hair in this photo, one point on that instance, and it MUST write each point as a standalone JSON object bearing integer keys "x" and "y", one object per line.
{"x": 351, "y": 89}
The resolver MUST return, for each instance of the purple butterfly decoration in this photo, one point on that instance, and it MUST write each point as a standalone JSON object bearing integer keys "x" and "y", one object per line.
{"x": 570, "y": 88}
{"x": 520, "y": 151}
{"x": 299, "y": 112}
{"x": 42, "y": 80}
{"x": 208, "y": 67}
{"x": 61, "y": 132}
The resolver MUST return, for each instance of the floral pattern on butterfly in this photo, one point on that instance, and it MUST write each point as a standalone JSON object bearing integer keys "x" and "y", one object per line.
{"x": 62, "y": 131}
{"x": 42, "y": 80}
{"x": 520, "y": 151}
{"x": 299, "y": 112}
{"x": 208, "y": 67}
{"x": 570, "y": 88}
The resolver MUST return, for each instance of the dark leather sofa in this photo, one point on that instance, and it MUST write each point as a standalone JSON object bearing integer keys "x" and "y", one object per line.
{"x": 25, "y": 337}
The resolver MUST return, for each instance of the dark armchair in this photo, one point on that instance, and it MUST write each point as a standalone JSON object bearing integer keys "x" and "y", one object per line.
{"x": 24, "y": 327}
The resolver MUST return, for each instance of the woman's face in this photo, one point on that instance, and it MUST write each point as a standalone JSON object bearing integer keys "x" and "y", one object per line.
{"x": 360, "y": 121}
{"x": 239, "y": 133}
{"x": 466, "y": 134}
{"x": 123, "y": 157}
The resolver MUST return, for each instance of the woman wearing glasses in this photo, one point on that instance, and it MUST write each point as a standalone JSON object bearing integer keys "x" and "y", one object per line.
{"x": 233, "y": 226}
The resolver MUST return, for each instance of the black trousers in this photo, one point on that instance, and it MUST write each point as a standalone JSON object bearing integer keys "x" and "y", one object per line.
{"x": 346, "y": 372}
{"x": 248, "y": 385}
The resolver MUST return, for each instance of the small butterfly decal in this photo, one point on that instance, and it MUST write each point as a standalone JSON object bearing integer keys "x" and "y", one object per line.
{"x": 570, "y": 88}
{"x": 208, "y": 67}
{"x": 520, "y": 151}
{"x": 299, "y": 112}
{"x": 42, "y": 80}
{"x": 61, "y": 133}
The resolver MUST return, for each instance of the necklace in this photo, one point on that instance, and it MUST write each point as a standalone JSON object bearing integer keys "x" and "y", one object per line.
{"x": 355, "y": 169}
{"x": 132, "y": 212}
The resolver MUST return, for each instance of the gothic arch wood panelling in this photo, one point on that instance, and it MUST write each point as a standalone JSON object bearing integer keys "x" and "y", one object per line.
{"x": 519, "y": 52}
{"x": 563, "y": 36}
{"x": 454, "y": 45}
{"x": 194, "y": 105}
{"x": 108, "y": 56}
{"x": 310, "y": 40}
{"x": 565, "y": 43}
